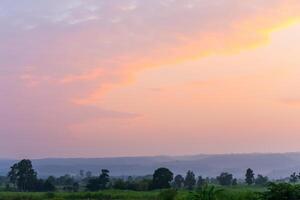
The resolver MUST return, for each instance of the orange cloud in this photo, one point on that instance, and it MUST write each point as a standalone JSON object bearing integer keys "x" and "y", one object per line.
{"x": 246, "y": 33}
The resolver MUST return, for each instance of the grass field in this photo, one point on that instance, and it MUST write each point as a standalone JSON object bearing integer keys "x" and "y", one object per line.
{"x": 228, "y": 193}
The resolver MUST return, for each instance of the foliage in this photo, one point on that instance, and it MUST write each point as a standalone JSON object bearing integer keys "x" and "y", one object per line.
{"x": 225, "y": 178}
{"x": 190, "y": 180}
{"x": 178, "y": 181}
{"x": 293, "y": 178}
{"x": 234, "y": 182}
{"x": 261, "y": 180}
{"x": 206, "y": 192}
{"x": 200, "y": 182}
{"x": 130, "y": 184}
{"x": 23, "y": 176}
{"x": 162, "y": 178}
{"x": 249, "y": 176}
{"x": 227, "y": 193}
{"x": 169, "y": 194}
{"x": 282, "y": 191}
{"x": 95, "y": 184}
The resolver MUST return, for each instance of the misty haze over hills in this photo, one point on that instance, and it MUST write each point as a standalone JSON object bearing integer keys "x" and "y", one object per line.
{"x": 273, "y": 165}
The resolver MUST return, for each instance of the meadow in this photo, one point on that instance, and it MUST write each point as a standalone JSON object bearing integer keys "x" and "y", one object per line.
{"x": 226, "y": 193}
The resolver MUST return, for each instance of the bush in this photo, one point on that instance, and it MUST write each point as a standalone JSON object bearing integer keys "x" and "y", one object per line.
{"x": 282, "y": 191}
{"x": 205, "y": 193}
{"x": 169, "y": 194}
{"x": 50, "y": 195}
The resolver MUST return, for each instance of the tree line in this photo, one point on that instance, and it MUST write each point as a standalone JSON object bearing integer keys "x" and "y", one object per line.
{"x": 23, "y": 177}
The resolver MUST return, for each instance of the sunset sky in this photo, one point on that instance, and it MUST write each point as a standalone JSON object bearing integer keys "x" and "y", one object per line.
{"x": 94, "y": 78}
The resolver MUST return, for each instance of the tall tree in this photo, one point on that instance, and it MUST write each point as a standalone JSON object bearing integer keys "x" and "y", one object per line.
{"x": 190, "y": 180}
{"x": 23, "y": 176}
{"x": 104, "y": 179}
{"x": 249, "y": 176}
{"x": 162, "y": 178}
{"x": 178, "y": 181}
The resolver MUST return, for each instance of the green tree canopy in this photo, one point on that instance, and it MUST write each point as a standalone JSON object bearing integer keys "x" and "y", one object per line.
{"x": 162, "y": 178}
{"x": 23, "y": 176}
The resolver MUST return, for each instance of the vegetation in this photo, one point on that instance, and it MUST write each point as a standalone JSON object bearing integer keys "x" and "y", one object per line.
{"x": 23, "y": 183}
{"x": 249, "y": 177}
{"x": 162, "y": 178}
{"x": 225, "y": 179}
{"x": 190, "y": 180}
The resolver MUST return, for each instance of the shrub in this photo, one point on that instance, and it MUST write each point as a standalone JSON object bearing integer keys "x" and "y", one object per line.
{"x": 169, "y": 194}
{"x": 282, "y": 191}
{"x": 205, "y": 193}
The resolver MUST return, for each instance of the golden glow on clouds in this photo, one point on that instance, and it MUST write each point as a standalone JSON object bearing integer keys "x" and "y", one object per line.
{"x": 212, "y": 76}
{"x": 245, "y": 34}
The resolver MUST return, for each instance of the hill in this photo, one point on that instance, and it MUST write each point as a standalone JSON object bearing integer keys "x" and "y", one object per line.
{"x": 273, "y": 165}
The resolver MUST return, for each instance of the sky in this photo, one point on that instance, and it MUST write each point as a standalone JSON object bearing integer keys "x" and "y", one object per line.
{"x": 100, "y": 78}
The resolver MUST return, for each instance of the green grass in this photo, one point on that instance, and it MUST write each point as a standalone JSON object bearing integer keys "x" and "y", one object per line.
{"x": 228, "y": 193}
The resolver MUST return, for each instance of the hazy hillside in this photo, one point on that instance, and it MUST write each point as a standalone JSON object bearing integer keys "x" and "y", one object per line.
{"x": 273, "y": 165}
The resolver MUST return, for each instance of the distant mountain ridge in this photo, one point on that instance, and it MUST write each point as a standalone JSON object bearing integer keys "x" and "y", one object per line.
{"x": 274, "y": 165}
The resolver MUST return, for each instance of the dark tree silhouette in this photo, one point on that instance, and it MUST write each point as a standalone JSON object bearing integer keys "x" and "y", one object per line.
{"x": 178, "y": 181}
{"x": 293, "y": 178}
{"x": 225, "y": 178}
{"x": 190, "y": 180}
{"x": 200, "y": 181}
{"x": 249, "y": 176}
{"x": 234, "y": 181}
{"x": 261, "y": 180}
{"x": 23, "y": 176}
{"x": 104, "y": 178}
{"x": 100, "y": 182}
{"x": 93, "y": 184}
{"x": 162, "y": 178}
{"x": 48, "y": 186}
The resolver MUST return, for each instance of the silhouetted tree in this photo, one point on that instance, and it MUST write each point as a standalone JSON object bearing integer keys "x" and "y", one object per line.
{"x": 23, "y": 176}
{"x": 178, "y": 181}
{"x": 88, "y": 174}
{"x": 65, "y": 180}
{"x": 249, "y": 176}
{"x": 261, "y": 180}
{"x": 104, "y": 178}
{"x": 119, "y": 184}
{"x": 225, "y": 178}
{"x": 200, "y": 181}
{"x": 100, "y": 182}
{"x": 81, "y": 173}
{"x": 234, "y": 181}
{"x": 75, "y": 187}
{"x": 293, "y": 178}
{"x": 93, "y": 184}
{"x": 162, "y": 178}
{"x": 190, "y": 180}
{"x": 49, "y": 186}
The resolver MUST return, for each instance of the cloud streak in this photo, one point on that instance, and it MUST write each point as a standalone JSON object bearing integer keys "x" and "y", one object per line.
{"x": 60, "y": 59}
